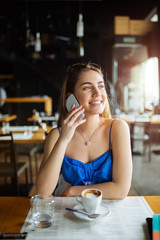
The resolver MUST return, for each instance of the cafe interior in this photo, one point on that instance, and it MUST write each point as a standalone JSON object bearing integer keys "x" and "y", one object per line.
{"x": 39, "y": 39}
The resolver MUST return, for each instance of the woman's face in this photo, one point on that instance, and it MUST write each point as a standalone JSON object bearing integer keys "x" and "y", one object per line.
{"x": 90, "y": 92}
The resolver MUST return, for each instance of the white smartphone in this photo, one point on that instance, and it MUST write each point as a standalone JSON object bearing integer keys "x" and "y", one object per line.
{"x": 69, "y": 102}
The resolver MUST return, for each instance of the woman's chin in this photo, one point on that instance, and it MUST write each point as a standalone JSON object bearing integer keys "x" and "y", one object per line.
{"x": 96, "y": 113}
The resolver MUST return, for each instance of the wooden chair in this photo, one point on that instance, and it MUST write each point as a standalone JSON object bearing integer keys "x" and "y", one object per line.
{"x": 156, "y": 151}
{"x": 40, "y": 151}
{"x": 29, "y": 150}
{"x": 10, "y": 167}
{"x": 32, "y": 150}
{"x": 143, "y": 135}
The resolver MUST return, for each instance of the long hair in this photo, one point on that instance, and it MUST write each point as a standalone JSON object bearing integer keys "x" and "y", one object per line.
{"x": 70, "y": 81}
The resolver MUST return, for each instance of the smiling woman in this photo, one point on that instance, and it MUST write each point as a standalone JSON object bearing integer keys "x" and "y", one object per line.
{"x": 74, "y": 71}
{"x": 90, "y": 91}
{"x": 94, "y": 150}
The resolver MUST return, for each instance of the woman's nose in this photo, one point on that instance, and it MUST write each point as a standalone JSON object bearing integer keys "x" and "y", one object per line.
{"x": 96, "y": 92}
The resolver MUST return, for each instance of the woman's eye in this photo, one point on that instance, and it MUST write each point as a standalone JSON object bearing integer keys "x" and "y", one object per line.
{"x": 101, "y": 86}
{"x": 86, "y": 88}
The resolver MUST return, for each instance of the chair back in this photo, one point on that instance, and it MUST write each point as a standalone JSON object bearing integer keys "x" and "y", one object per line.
{"x": 7, "y": 148}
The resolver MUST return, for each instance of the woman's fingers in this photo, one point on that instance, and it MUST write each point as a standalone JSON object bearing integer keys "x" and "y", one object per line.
{"x": 74, "y": 114}
{"x": 77, "y": 123}
{"x": 77, "y": 116}
{"x": 71, "y": 122}
{"x": 73, "y": 106}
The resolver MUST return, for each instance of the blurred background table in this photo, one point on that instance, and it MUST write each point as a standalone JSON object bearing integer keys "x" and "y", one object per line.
{"x": 7, "y": 117}
{"x": 35, "y": 136}
{"x": 29, "y": 142}
{"x": 47, "y": 101}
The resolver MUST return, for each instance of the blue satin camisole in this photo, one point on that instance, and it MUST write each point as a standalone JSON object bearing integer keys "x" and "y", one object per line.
{"x": 76, "y": 172}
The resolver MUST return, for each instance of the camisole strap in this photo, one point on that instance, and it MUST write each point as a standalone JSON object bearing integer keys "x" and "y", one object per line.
{"x": 59, "y": 130}
{"x": 110, "y": 135}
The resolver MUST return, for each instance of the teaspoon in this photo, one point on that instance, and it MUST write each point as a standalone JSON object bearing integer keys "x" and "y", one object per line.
{"x": 95, "y": 215}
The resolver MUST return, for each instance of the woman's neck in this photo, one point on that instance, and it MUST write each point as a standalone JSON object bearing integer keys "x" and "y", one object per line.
{"x": 92, "y": 122}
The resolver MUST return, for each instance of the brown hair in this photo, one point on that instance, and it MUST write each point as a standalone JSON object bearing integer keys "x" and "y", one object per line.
{"x": 70, "y": 81}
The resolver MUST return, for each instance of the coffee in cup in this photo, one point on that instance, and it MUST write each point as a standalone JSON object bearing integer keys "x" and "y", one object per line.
{"x": 90, "y": 199}
{"x": 91, "y": 193}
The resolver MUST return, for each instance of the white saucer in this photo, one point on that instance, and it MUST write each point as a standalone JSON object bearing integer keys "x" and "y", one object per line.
{"x": 103, "y": 210}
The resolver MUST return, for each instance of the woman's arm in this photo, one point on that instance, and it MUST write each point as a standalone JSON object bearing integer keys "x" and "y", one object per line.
{"x": 54, "y": 151}
{"x": 122, "y": 166}
{"x": 48, "y": 174}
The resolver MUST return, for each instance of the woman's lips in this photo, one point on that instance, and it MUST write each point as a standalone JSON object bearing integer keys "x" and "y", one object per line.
{"x": 95, "y": 102}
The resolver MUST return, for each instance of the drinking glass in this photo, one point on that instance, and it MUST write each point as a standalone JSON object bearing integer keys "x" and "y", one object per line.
{"x": 42, "y": 207}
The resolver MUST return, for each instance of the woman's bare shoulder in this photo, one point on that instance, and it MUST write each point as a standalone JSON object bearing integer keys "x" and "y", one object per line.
{"x": 120, "y": 123}
{"x": 120, "y": 127}
{"x": 106, "y": 121}
{"x": 117, "y": 124}
{"x": 53, "y": 135}
{"x": 54, "y": 131}
{"x": 114, "y": 121}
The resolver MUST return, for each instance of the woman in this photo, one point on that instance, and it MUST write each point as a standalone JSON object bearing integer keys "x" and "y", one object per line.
{"x": 95, "y": 149}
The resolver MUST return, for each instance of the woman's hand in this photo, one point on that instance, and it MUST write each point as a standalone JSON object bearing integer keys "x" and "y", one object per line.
{"x": 66, "y": 193}
{"x": 72, "y": 191}
{"x": 71, "y": 123}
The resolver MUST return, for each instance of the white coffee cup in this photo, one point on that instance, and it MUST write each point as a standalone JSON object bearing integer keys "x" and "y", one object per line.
{"x": 91, "y": 199}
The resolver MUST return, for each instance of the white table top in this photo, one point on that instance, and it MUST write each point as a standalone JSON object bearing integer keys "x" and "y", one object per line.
{"x": 21, "y": 128}
{"x": 18, "y": 136}
{"x": 127, "y": 220}
{"x": 3, "y": 115}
